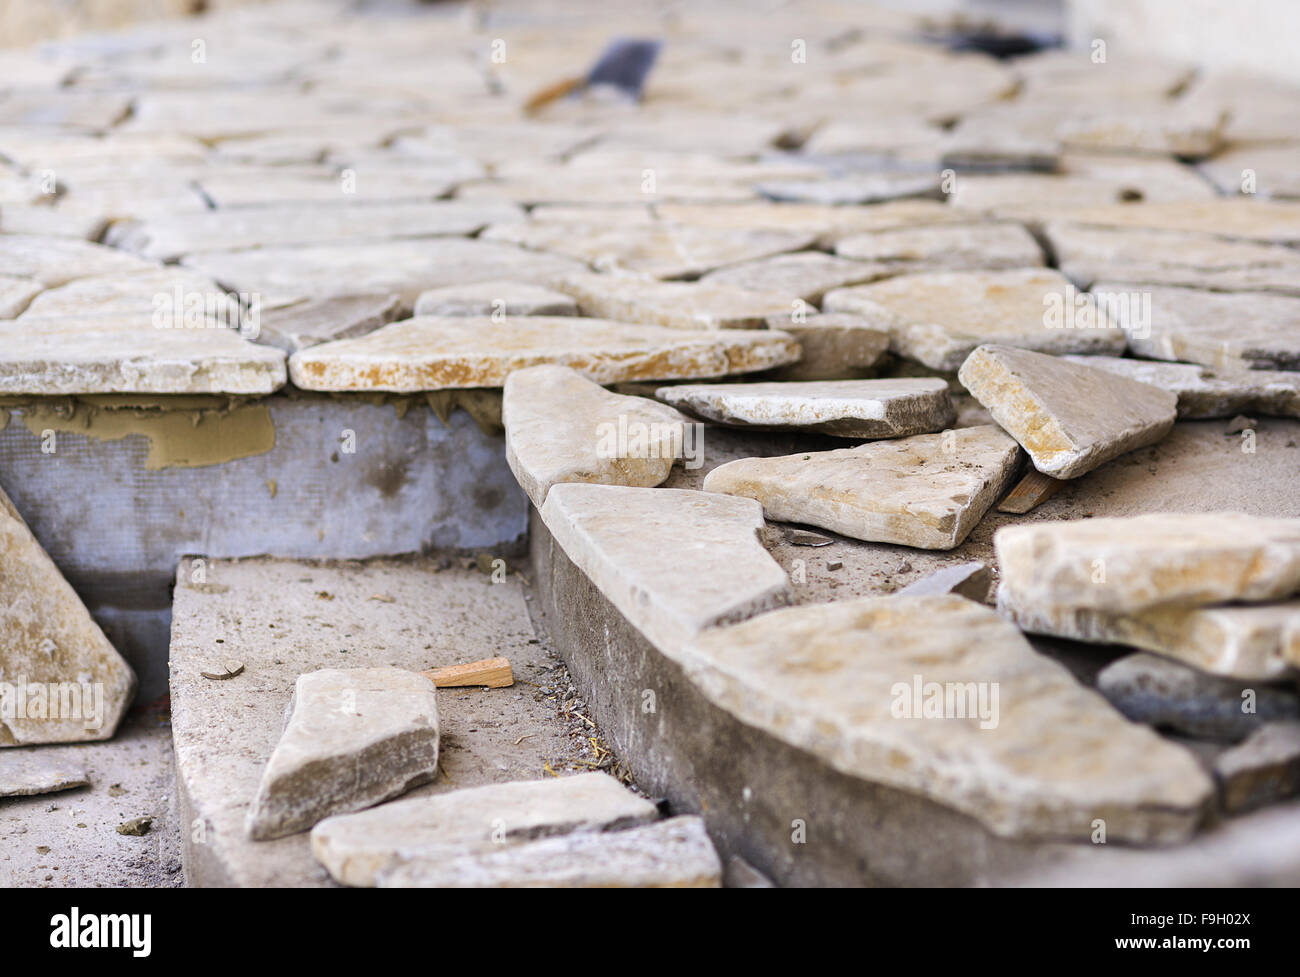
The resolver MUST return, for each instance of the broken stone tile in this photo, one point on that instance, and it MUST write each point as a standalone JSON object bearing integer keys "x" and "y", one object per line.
{"x": 675, "y": 854}
{"x": 927, "y": 491}
{"x": 1218, "y": 330}
{"x": 1270, "y": 171}
{"x": 138, "y": 296}
{"x": 16, "y": 294}
{"x": 939, "y": 318}
{"x": 62, "y": 680}
{"x": 358, "y": 848}
{"x": 889, "y": 408}
{"x": 828, "y": 223}
{"x": 312, "y": 322}
{"x": 835, "y": 347}
{"x": 955, "y": 247}
{"x": 501, "y": 298}
{"x": 1203, "y": 392}
{"x": 901, "y": 691}
{"x": 1263, "y": 769}
{"x": 1070, "y": 418}
{"x": 1131, "y": 564}
{"x": 435, "y": 353}
{"x": 232, "y": 187}
{"x": 26, "y": 772}
{"x": 659, "y": 250}
{"x": 284, "y": 275}
{"x": 706, "y": 567}
{"x": 805, "y": 274}
{"x": 1145, "y": 126}
{"x": 1169, "y": 695}
{"x": 969, "y": 580}
{"x": 55, "y": 261}
{"x": 1260, "y": 642}
{"x": 352, "y": 738}
{"x": 858, "y": 188}
{"x": 678, "y": 305}
{"x": 561, "y": 427}
{"x": 1264, "y": 221}
{"x": 167, "y": 238}
{"x": 1091, "y": 254}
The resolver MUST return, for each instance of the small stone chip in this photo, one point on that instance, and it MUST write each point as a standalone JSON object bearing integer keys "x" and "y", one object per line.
{"x": 136, "y": 826}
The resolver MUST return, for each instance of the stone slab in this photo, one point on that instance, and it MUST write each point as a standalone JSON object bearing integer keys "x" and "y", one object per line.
{"x": 502, "y": 298}
{"x": 316, "y": 321}
{"x": 1210, "y": 392}
{"x": 834, "y": 347}
{"x": 806, "y": 274}
{"x": 676, "y": 305}
{"x": 956, "y": 247}
{"x": 1261, "y": 770}
{"x": 25, "y": 772}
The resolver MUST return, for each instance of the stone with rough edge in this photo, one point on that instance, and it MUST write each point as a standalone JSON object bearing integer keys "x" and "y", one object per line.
{"x": 53, "y": 261}
{"x": 1210, "y": 392}
{"x": 955, "y": 247}
{"x": 561, "y": 427}
{"x": 837, "y": 679}
{"x": 1130, "y": 564}
{"x": 889, "y": 408}
{"x": 969, "y": 580}
{"x": 835, "y": 347}
{"x": 677, "y": 305}
{"x": 317, "y": 321}
{"x": 1070, "y": 418}
{"x": 806, "y": 274}
{"x": 49, "y": 641}
{"x": 939, "y": 318}
{"x": 675, "y": 854}
{"x": 1263, "y": 769}
{"x": 358, "y": 848}
{"x": 435, "y": 353}
{"x": 926, "y": 491}
{"x": 27, "y": 772}
{"x": 1170, "y": 695}
{"x": 353, "y": 738}
{"x": 494, "y": 298}
{"x": 1225, "y": 217}
{"x": 705, "y": 567}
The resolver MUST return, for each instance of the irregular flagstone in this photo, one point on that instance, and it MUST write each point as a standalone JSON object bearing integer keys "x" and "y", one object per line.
{"x": 927, "y": 491}
{"x": 26, "y": 772}
{"x": 232, "y": 187}
{"x": 952, "y": 247}
{"x": 318, "y": 321}
{"x": 434, "y": 353}
{"x": 357, "y": 848}
{"x": 1169, "y": 695}
{"x": 1247, "y": 642}
{"x": 829, "y": 223}
{"x": 39, "y": 220}
{"x": 353, "y": 738}
{"x": 705, "y": 566}
{"x": 64, "y": 108}
{"x": 806, "y": 274}
{"x": 969, "y": 580}
{"x": 62, "y": 680}
{"x": 53, "y": 261}
{"x": 167, "y": 238}
{"x": 1131, "y": 564}
{"x": 1264, "y": 221}
{"x": 678, "y": 305}
{"x": 675, "y": 854}
{"x": 1270, "y": 171}
{"x": 1244, "y": 329}
{"x": 500, "y": 298}
{"x": 940, "y": 697}
{"x": 1145, "y": 126}
{"x": 1203, "y": 392}
{"x": 16, "y": 294}
{"x": 853, "y": 189}
{"x": 284, "y": 275}
{"x": 835, "y": 347}
{"x": 1071, "y": 418}
{"x": 561, "y": 427}
{"x": 1263, "y": 769}
{"x": 1091, "y": 254}
{"x": 889, "y": 408}
{"x": 939, "y": 318}
{"x": 175, "y": 295}
{"x": 660, "y": 250}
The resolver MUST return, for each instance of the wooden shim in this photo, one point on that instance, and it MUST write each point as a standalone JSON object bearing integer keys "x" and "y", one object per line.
{"x": 494, "y": 673}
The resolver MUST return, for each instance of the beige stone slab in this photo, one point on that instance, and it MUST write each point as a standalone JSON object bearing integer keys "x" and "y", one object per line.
{"x": 675, "y": 854}
{"x": 139, "y": 295}
{"x": 939, "y": 318}
{"x": 835, "y": 347}
{"x": 867, "y": 188}
{"x": 61, "y": 107}
{"x": 56, "y": 261}
{"x": 499, "y": 298}
{"x": 1264, "y": 169}
{"x": 926, "y": 491}
{"x": 1205, "y": 392}
{"x": 357, "y": 848}
{"x": 829, "y": 223}
{"x": 1069, "y": 417}
{"x": 887, "y": 408}
{"x": 24, "y": 772}
{"x": 582, "y": 185}
{"x": 312, "y": 322}
{"x": 464, "y": 351}
{"x": 229, "y": 188}
{"x": 1009, "y": 737}
{"x": 1265, "y": 221}
{"x": 1263, "y": 769}
{"x": 63, "y": 681}
{"x": 675, "y": 305}
{"x": 39, "y": 220}
{"x": 353, "y": 738}
{"x": 561, "y": 427}
{"x": 946, "y": 247}
{"x": 16, "y": 294}
{"x": 805, "y": 274}
{"x": 1122, "y": 565}
{"x": 673, "y": 561}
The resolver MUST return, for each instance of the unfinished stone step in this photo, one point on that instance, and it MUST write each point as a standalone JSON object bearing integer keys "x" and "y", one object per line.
{"x": 455, "y": 352}
{"x": 358, "y": 848}
{"x": 1070, "y": 418}
{"x": 674, "y": 854}
{"x": 60, "y": 679}
{"x": 353, "y": 738}
{"x": 926, "y": 491}
{"x": 889, "y": 408}
{"x": 561, "y": 427}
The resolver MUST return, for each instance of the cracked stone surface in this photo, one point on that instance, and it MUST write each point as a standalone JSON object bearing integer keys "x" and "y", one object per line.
{"x": 1070, "y": 418}
{"x": 1209, "y": 392}
{"x": 561, "y": 427}
{"x": 926, "y": 491}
